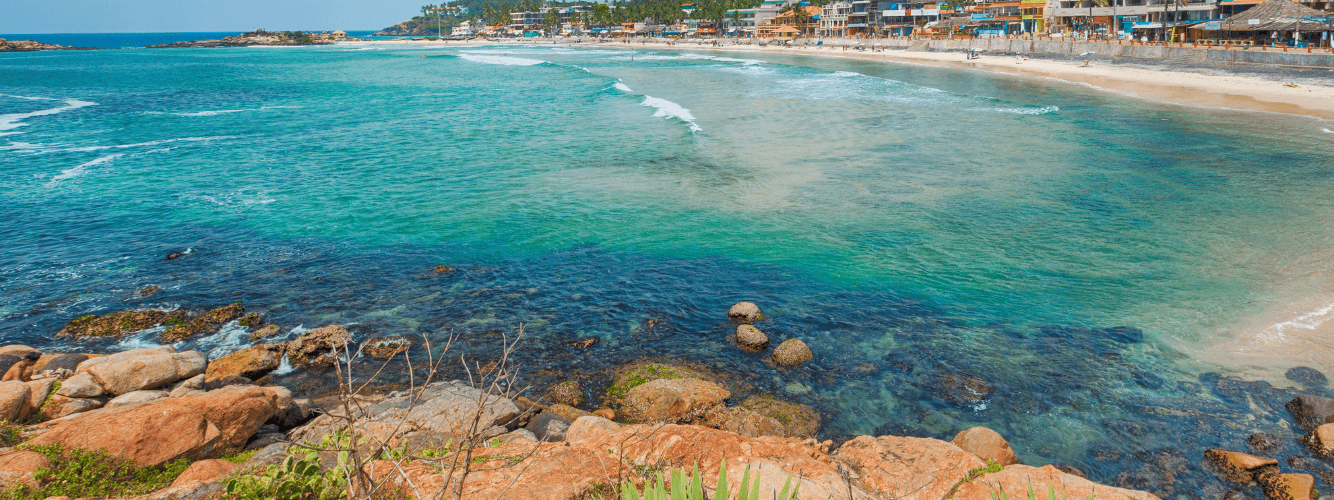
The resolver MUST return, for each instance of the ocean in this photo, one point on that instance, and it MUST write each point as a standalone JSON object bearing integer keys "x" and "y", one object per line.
{"x": 1110, "y": 283}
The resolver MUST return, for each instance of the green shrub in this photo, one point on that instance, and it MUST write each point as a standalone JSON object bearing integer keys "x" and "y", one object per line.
{"x": 79, "y": 473}
{"x": 691, "y": 487}
{"x": 1051, "y": 494}
{"x": 10, "y": 434}
{"x": 300, "y": 477}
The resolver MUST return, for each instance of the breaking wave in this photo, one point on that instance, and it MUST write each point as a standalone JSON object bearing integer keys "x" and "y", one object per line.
{"x": 15, "y": 120}
{"x": 501, "y": 60}
{"x": 670, "y": 109}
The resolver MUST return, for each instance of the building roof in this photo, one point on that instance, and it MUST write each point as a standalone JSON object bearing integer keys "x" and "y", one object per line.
{"x": 1271, "y": 15}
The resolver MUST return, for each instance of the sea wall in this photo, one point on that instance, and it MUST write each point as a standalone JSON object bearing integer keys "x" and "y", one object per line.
{"x": 1317, "y": 58}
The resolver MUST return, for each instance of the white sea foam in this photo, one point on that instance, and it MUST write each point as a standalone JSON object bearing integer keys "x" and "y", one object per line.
{"x": 135, "y": 145}
{"x": 284, "y": 367}
{"x": 846, "y": 74}
{"x": 1328, "y": 131}
{"x": 1025, "y": 111}
{"x": 15, "y": 120}
{"x": 501, "y": 60}
{"x": 1305, "y": 321}
{"x": 667, "y": 108}
{"x": 79, "y": 170}
{"x": 222, "y": 111}
{"x": 625, "y": 88}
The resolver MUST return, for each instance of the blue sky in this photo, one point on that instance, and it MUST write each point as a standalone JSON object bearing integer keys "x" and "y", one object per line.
{"x": 120, "y": 16}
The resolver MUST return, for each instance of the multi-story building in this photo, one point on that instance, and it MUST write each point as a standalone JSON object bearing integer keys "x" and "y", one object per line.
{"x": 1124, "y": 16}
{"x": 834, "y": 18}
{"x": 740, "y": 22}
{"x": 902, "y": 18}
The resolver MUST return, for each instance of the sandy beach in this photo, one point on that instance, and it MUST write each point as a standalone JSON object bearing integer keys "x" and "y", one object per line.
{"x": 1244, "y": 88}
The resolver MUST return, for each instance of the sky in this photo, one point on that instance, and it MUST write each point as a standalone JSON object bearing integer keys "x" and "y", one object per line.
{"x": 146, "y": 16}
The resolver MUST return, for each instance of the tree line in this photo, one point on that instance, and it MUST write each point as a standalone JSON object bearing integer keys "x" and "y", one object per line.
{"x": 497, "y": 12}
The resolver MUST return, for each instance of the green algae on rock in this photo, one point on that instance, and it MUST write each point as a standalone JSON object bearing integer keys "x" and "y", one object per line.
{"x": 117, "y": 324}
{"x": 638, "y": 375}
{"x": 568, "y": 392}
{"x": 387, "y": 347}
{"x": 798, "y": 420}
{"x": 204, "y": 324}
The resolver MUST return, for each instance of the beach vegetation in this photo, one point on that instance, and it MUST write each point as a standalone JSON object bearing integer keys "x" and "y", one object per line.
{"x": 77, "y": 473}
{"x": 679, "y": 485}
{"x": 1051, "y": 494}
{"x": 300, "y": 476}
{"x": 10, "y": 434}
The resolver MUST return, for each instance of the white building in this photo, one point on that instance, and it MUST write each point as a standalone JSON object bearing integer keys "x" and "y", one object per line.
{"x": 834, "y": 18}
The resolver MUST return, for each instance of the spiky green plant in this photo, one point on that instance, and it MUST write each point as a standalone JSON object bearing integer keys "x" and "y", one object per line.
{"x": 691, "y": 487}
{"x": 1051, "y": 494}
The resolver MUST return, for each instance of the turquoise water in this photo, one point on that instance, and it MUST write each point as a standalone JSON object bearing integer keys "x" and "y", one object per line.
{"x": 906, "y": 222}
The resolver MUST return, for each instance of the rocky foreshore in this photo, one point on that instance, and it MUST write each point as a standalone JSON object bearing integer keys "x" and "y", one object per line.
{"x": 221, "y": 428}
{"x": 33, "y": 46}
{"x": 259, "y": 37}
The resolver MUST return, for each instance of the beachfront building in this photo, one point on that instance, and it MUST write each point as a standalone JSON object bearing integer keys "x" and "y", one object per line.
{"x": 834, "y": 18}
{"x": 740, "y": 22}
{"x": 1274, "y": 22}
{"x": 903, "y": 18}
{"x": 1121, "y": 18}
{"x": 770, "y": 9}
{"x": 802, "y": 20}
{"x": 526, "y": 21}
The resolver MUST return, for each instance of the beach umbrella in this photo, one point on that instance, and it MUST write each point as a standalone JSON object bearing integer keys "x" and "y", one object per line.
{"x": 1087, "y": 54}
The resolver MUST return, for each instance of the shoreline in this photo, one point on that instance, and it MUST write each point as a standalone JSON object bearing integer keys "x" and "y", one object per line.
{"x": 1222, "y": 89}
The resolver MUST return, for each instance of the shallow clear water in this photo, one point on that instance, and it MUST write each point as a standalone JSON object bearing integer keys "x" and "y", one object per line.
{"x": 911, "y": 224}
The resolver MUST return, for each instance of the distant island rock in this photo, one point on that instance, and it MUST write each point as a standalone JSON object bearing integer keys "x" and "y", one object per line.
{"x": 32, "y": 46}
{"x": 261, "y": 37}
{"x": 419, "y": 26}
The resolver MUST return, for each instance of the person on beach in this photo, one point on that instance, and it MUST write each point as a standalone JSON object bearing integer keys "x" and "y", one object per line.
{"x": 22, "y": 371}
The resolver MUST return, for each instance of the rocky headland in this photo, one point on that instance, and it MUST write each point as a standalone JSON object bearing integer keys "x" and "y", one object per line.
{"x": 33, "y": 46}
{"x": 260, "y": 37}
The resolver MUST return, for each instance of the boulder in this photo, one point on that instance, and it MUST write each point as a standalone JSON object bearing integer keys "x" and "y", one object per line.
{"x": 264, "y": 332}
{"x": 567, "y": 412}
{"x": 743, "y": 421}
{"x": 15, "y": 401}
{"x": 1015, "y": 480}
{"x": 1321, "y": 441}
{"x": 58, "y": 406}
{"x": 921, "y": 468}
{"x": 1288, "y": 486}
{"x": 798, "y": 420}
{"x": 672, "y": 400}
{"x": 39, "y": 390}
{"x": 65, "y": 361}
{"x": 606, "y": 413}
{"x": 568, "y": 393}
{"x": 1311, "y": 411}
{"x": 966, "y": 390}
{"x": 251, "y": 362}
{"x": 987, "y": 445}
{"x": 7, "y": 361}
{"x": 588, "y": 428}
{"x": 204, "y": 324}
{"x": 1239, "y": 467}
{"x": 792, "y": 352}
{"x": 518, "y": 436}
{"x": 187, "y": 386}
{"x": 548, "y": 427}
{"x": 751, "y": 339}
{"x": 205, "y": 471}
{"x": 628, "y": 378}
{"x": 301, "y": 411}
{"x": 153, "y": 433}
{"x": 386, "y": 347}
{"x": 745, "y": 312}
{"x": 135, "y": 397}
{"x": 80, "y": 386}
{"x": 443, "y": 409}
{"x": 18, "y": 466}
{"x": 1263, "y": 441}
{"x": 140, "y": 369}
{"x": 16, "y": 350}
{"x": 310, "y": 346}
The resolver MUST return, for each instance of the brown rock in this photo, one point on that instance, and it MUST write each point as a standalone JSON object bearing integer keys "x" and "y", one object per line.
{"x": 205, "y": 471}
{"x": 15, "y": 401}
{"x": 1015, "y": 480}
{"x": 1288, "y": 486}
{"x": 38, "y": 391}
{"x": 590, "y": 427}
{"x": 154, "y": 433}
{"x": 17, "y": 467}
{"x": 139, "y": 369}
{"x": 585, "y": 343}
{"x": 792, "y": 352}
{"x": 313, "y": 345}
{"x": 569, "y": 413}
{"x": 16, "y": 350}
{"x": 442, "y": 269}
{"x": 205, "y": 324}
{"x": 743, "y": 421}
{"x": 797, "y": 420}
{"x": 252, "y": 363}
{"x": 1262, "y": 441}
{"x": 751, "y": 339}
{"x": 606, "y": 413}
{"x": 60, "y": 406}
{"x": 1321, "y": 441}
{"x": 118, "y": 323}
{"x": 672, "y": 400}
{"x": 745, "y": 312}
{"x": 1238, "y": 467}
{"x": 568, "y": 392}
{"x": 264, "y": 332}
{"x": 386, "y": 347}
{"x": 80, "y": 386}
{"x": 987, "y": 445}
{"x": 1311, "y": 411}
{"x": 964, "y": 389}
{"x": 922, "y": 468}
{"x": 147, "y": 292}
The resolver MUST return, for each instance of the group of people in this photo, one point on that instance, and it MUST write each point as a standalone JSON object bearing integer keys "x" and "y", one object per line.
{"x": 22, "y": 370}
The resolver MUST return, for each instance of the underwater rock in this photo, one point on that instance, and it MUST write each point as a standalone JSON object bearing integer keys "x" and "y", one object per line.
{"x": 751, "y": 339}
{"x": 1307, "y": 376}
{"x": 1239, "y": 467}
{"x": 964, "y": 389}
{"x": 743, "y": 421}
{"x": 1071, "y": 470}
{"x": 118, "y": 324}
{"x": 568, "y": 392}
{"x": 987, "y": 445}
{"x": 175, "y": 255}
{"x": 745, "y": 312}
{"x": 1262, "y": 441}
{"x": 1124, "y": 334}
{"x": 672, "y": 400}
{"x": 792, "y": 352}
{"x": 442, "y": 269}
{"x": 1288, "y": 486}
{"x": 386, "y": 347}
{"x": 1311, "y": 411}
{"x": 585, "y": 343}
{"x": 147, "y": 292}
